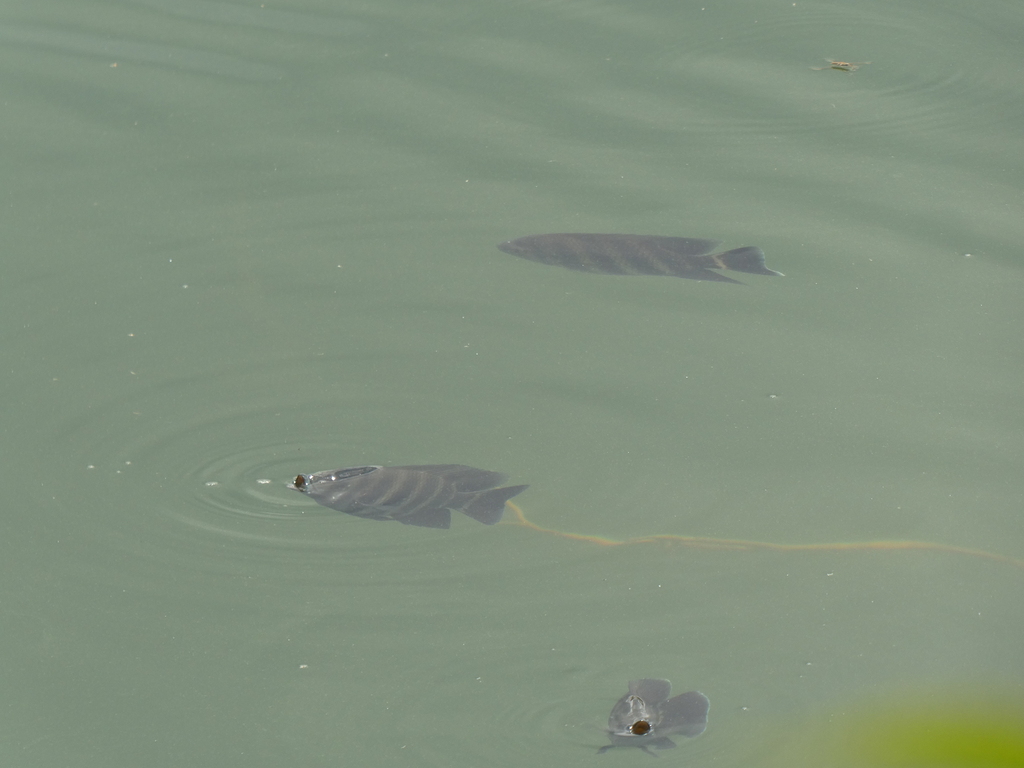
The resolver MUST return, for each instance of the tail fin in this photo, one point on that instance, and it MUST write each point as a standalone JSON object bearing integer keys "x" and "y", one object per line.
{"x": 487, "y": 506}
{"x": 750, "y": 259}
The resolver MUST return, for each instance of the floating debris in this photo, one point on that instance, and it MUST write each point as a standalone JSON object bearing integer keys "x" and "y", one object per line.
{"x": 842, "y": 66}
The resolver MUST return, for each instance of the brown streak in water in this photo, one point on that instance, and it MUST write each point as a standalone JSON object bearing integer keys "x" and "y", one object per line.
{"x": 739, "y": 545}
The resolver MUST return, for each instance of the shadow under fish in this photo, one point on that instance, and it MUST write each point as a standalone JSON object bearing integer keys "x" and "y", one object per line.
{"x": 639, "y": 255}
{"x": 423, "y": 495}
{"x": 646, "y": 716}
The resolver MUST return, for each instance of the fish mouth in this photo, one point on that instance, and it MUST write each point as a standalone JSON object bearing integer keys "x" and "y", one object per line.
{"x": 640, "y": 728}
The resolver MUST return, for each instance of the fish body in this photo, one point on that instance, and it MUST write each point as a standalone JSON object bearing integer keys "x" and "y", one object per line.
{"x": 638, "y": 255}
{"x": 422, "y": 495}
{"x": 645, "y": 716}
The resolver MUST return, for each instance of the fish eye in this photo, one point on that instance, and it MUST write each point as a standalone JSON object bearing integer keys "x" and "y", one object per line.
{"x": 640, "y": 727}
{"x": 300, "y": 482}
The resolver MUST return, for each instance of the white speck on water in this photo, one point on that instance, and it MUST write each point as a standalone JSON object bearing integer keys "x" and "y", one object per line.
{"x": 264, "y": 481}
{"x": 211, "y": 482}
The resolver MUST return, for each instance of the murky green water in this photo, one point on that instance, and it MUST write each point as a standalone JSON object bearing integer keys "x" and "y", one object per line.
{"x": 246, "y": 240}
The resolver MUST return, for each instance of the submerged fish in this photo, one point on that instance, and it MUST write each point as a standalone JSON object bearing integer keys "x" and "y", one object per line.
{"x": 414, "y": 495}
{"x": 639, "y": 255}
{"x": 646, "y": 716}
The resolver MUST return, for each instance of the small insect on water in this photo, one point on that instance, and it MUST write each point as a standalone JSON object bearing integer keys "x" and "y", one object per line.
{"x": 843, "y": 66}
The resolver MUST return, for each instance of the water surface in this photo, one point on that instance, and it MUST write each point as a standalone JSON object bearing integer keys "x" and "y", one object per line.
{"x": 245, "y": 241}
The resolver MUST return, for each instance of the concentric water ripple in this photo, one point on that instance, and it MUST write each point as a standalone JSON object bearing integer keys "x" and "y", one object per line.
{"x": 754, "y": 78}
{"x": 466, "y": 706}
{"x": 194, "y": 473}
{"x": 202, "y": 462}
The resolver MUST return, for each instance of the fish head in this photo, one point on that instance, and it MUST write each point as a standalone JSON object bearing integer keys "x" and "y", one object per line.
{"x": 310, "y": 483}
{"x": 645, "y": 717}
{"x": 515, "y": 247}
{"x": 632, "y": 717}
{"x": 300, "y": 483}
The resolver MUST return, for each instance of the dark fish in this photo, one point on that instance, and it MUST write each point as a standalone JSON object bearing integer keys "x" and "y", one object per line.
{"x": 646, "y": 716}
{"x": 639, "y": 255}
{"x": 415, "y": 495}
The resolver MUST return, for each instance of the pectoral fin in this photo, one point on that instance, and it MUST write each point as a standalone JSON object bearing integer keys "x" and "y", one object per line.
{"x": 686, "y": 714}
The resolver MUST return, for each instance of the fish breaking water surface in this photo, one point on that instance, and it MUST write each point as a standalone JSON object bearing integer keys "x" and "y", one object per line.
{"x": 645, "y": 716}
{"x": 421, "y": 495}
